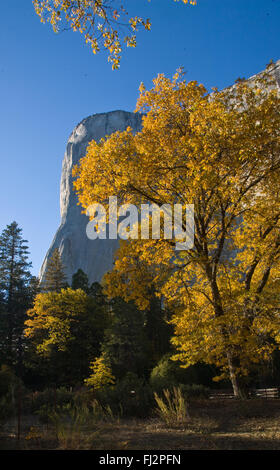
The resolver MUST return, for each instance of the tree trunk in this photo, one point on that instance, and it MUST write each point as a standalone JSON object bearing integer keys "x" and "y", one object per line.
{"x": 237, "y": 389}
{"x": 233, "y": 362}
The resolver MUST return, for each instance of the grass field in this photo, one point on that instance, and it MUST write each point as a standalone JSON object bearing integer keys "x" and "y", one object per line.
{"x": 213, "y": 424}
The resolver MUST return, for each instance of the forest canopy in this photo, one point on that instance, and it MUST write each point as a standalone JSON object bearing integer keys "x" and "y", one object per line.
{"x": 220, "y": 152}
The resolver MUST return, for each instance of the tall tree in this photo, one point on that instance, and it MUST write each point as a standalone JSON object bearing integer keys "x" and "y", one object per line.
{"x": 66, "y": 329}
{"x": 55, "y": 278}
{"x": 125, "y": 343}
{"x": 96, "y": 291}
{"x": 221, "y": 153}
{"x": 17, "y": 287}
{"x": 80, "y": 281}
{"x": 105, "y": 24}
{"x": 133, "y": 278}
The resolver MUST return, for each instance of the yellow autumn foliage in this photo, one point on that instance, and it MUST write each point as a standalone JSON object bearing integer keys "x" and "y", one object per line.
{"x": 221, "y": 152}
{"x": 101, "y": 375}
{"x": 104, "y": 24}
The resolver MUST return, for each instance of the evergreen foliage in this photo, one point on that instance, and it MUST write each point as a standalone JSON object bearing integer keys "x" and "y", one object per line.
{"x": 17, "y": 288}
{"x": 55, "y": 278}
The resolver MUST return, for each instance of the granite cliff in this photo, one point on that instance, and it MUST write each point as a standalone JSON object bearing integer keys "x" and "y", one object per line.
{"x": 94, "y": 257}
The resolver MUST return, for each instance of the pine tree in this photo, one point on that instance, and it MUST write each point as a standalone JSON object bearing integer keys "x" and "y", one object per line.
{"x": 96, "y": 291}
{"x": 125, "y": 343}
{"x": 16, "y": 292}
{"x": 80, "y": 281}
{"x": 55, "y": 278}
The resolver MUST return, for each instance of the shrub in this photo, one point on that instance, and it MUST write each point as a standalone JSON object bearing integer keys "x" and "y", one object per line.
{"x": 194, "y": 391}
{"x": 168, "y": 374}
{"x": 7, "y": 409}
{"x": 51, "y": 400}
{"x": 163, "y": 375}
{"x": 9, "y": 386}
{"x": 131, "y": 396}
{"x": 8, "y": 381}
{"x": 70, "y": 426}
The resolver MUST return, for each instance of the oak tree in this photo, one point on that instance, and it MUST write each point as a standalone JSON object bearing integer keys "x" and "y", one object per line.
{"x": 219, "y": 151}
{"x": 66, "y": 328}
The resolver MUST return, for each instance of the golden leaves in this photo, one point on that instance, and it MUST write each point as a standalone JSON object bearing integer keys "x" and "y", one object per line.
{"x": 102, "y": 24}
{"x": 206, "y": 150}
{"x": 101, "y": 375}
{"x": 52, "y": 315}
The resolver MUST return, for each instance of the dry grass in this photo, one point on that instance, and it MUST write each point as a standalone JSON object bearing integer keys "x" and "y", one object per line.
{"x": 217, "y": 425}
{"x": 172, "y": 407}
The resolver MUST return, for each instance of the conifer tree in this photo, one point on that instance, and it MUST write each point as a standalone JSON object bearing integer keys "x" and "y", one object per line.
{"x": 16, "y": 292}
{"x": 96, "y": 291}
{"x": 55, "y": 278}
{"x": 80, "y": 281}
{"x": 125, "y": 343}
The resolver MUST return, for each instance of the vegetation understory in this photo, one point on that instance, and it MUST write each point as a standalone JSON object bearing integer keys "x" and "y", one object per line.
{"x": 212, "y": 425}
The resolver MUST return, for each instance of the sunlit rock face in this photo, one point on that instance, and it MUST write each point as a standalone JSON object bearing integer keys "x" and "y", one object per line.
{"x": 276, "y": 72}
{"x": 94, "y": 257}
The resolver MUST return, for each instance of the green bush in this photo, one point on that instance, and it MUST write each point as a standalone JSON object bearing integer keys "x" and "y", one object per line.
{"x": 168, "y": 374}
{"x": 7, "y": 409}
{"x": 8, "y": 381}
{"x": 164, "y": 375}
{"x": 50, "y": 400}
{"x": 9, "y": 386}
{"x": 131, "y": 396}
{"x": 195, "y": 391}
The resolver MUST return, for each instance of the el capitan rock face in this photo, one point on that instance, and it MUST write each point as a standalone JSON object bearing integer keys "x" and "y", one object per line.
{"x": 94, "y": 257}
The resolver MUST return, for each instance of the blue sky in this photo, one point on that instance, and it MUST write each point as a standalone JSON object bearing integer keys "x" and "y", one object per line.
{"x": 49, "y": 82}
